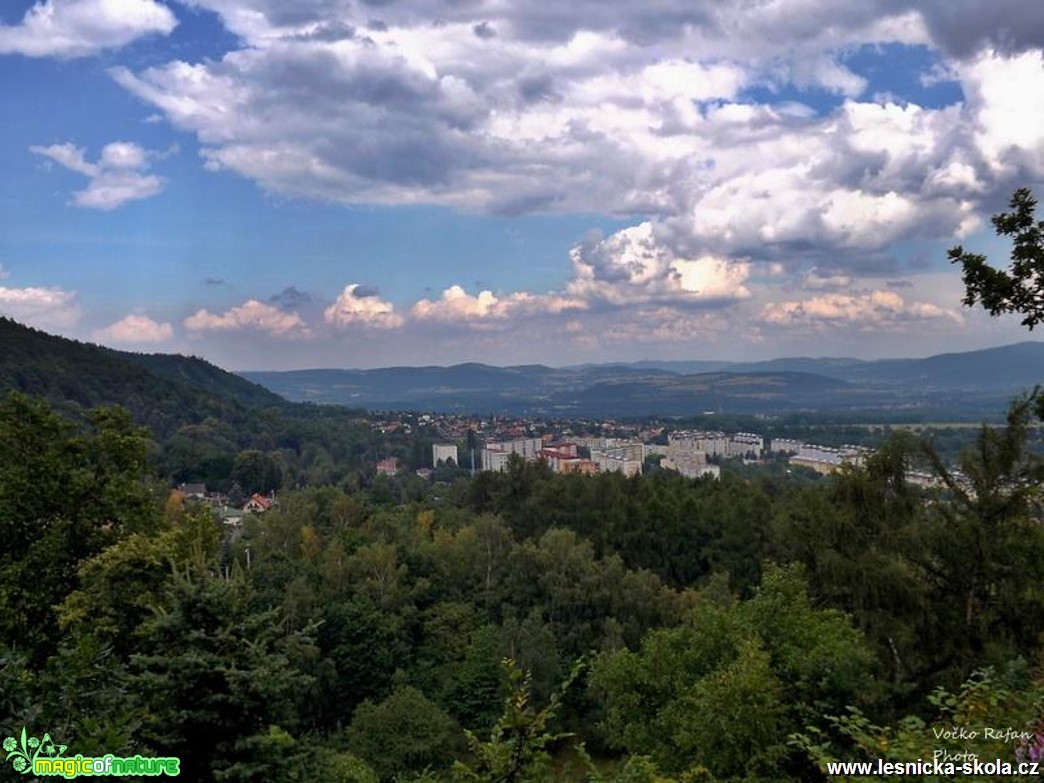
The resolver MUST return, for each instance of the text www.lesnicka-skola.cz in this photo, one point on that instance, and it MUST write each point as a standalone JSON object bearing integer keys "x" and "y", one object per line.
{"x": 935, "y": 767}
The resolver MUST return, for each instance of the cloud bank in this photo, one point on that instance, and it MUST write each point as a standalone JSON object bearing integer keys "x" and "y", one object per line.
{"x": 509, "y": 108}
{"x": 770, "y": 175}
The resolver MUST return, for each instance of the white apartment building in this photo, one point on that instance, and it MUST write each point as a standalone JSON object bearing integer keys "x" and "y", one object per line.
{"x": 715, "y": 444}
{"x": 827, "y": 459}
{"x": 616, "y": 460}
{"x": 495, "y": 455}
{"x": 691, "y": 468}
{"x": 493, "y": 459}
{"x": 786, "y": 445}
{"x": 746, "y": 444}
{"x": 444, "y": 452}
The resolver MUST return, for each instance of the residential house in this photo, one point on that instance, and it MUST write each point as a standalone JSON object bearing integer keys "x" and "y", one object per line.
{"x": 388, "y": 467}
{"x": 258, "y": 504}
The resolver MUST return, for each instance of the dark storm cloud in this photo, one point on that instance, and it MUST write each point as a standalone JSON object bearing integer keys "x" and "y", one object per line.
{"x": 963, "y": 27}
{"x": 291, "y": 298}
{"x": 364, "y": 291}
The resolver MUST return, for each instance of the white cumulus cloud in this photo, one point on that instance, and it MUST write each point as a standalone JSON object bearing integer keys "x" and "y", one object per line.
{"x": 252, "y": 315}
{"x": 635, "y": 266}
{"x": 119, "y": 175}
{"x": 40, "y": 307}
{"x": 457, "y": 306}
{"x": 135, "y": 329}
{"x": 867, "y": 309}
{"x": 357, "y": 306}
{"x": 1008, "y": 127}
{"x": 76, "y": 28}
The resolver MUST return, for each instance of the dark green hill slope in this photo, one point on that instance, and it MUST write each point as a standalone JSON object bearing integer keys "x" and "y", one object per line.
{"x": 203, "y": 375}
{"x": 163, "y": 392}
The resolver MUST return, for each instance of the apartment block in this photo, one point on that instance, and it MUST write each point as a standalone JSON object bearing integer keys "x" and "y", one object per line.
{"x": 444, "y": 452}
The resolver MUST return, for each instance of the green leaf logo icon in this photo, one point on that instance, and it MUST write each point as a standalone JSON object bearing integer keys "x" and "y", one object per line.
{"x": 24, "y": 751}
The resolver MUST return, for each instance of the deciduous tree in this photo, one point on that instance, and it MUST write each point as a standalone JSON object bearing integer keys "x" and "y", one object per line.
{"x": 1021, "y": 288}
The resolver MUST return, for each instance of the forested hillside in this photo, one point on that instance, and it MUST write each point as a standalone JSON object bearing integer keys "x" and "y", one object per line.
{"x": 161, "y": 391}
{"x": 520, "y": 626}
{"x": 206, "y": 425}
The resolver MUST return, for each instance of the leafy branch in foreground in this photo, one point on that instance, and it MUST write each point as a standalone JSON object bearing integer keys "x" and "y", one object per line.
{"x": 1021, "y": 289}
{"x": 517, "y": 749}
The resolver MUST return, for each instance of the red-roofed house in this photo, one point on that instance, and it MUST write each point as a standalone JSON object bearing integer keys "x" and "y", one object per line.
{"x": 388, "y": 467}
{"x": 258, "y": 504}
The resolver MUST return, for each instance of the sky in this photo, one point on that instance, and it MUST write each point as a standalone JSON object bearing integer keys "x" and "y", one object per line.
{"x": 282, "y": 184}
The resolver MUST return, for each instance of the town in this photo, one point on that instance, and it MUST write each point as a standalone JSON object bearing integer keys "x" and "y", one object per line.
{"x": 469, "y": 445}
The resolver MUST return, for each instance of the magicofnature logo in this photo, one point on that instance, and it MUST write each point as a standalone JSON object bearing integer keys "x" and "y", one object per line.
{"x": 23, "y": 756}
{"x": 43, "y": 757}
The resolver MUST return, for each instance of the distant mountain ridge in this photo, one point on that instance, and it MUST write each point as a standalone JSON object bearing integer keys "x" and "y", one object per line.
{"x": 986, "y": 378}
{"x": 1017, "y": 365}
{"x": 544, "y": 391}
{"x": 168, "y": 391}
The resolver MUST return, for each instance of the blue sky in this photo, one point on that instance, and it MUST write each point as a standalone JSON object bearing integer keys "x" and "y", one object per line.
{"x": 301, "y": 183}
